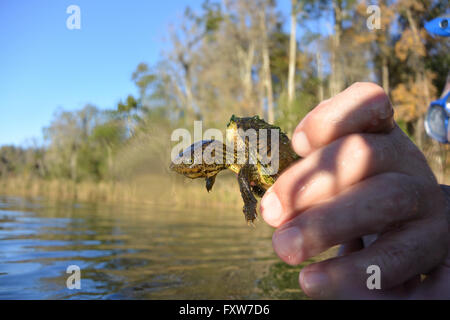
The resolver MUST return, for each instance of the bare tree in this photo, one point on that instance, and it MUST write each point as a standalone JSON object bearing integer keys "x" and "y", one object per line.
{"x": 292, "y": 52}
{"x": 336, "y": 81}
{"x": 266, "y": 64}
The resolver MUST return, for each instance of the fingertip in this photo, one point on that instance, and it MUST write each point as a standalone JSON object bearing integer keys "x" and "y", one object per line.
{"x": 288, "y": 245}
{"x": 271, "y": 208}
{"x": 300, "y": 143}
{"x": 314, "y": 283}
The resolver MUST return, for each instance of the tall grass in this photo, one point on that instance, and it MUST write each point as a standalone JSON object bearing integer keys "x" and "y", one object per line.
{"x": 145, "y": 180}
{"x": 148, "y": 189}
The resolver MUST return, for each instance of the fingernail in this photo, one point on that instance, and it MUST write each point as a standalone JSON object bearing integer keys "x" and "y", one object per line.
{"x": 300, "y": 143}
{"x": 271, "y": 208}
{"x": 314, "y": 283}
{"x": 288, "y": 243}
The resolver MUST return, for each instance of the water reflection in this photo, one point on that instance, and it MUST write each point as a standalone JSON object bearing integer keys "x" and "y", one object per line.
{"x": 137, "y": 253}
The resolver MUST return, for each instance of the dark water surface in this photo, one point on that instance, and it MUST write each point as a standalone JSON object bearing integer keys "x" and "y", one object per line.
{"x": 135, "y": 252}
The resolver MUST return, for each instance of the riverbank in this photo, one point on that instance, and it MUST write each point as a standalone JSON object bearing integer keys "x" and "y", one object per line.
{"x": 157, "y": 189}
{"x": 148, "y": 189}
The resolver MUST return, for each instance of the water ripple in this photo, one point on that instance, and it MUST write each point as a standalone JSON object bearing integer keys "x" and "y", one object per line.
{"x": 130, "y": 252}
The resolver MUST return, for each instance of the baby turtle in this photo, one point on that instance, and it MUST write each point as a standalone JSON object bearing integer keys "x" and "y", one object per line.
{"x": 257, "y": 151}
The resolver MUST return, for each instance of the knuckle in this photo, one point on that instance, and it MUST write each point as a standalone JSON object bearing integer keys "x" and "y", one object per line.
{"x": 409, "y": 198}
{"x": 361, "y": 147}
{"x": 375, "y": 149}
{"x": 383, "y": 109}
{"x": 391, "y": 257}
{"x": 382, "y": 106}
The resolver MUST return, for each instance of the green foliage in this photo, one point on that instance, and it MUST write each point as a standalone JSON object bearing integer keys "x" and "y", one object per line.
{"x": 289, "y": 116}
{"x": 128, "y": 106}
{"x": 214, "y": 69}
{"x": 19, "y": 161}
{"x": 279, "y": 61}
{"x": 82, "y": 144}
{"x": 212, "y": 17}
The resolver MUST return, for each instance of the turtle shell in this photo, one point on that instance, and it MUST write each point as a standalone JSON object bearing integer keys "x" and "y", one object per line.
{"x": 262, "y": 144}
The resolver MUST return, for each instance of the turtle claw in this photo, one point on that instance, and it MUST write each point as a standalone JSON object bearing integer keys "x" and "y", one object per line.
{"x": 251, "y": 224}
{"x": 250, "y": 215}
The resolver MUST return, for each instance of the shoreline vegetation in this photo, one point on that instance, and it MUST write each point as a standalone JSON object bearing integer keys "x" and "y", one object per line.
{"x": 232, "y": 57}
{"x": 147, "y": 190}
{"x": 178, "y": 192}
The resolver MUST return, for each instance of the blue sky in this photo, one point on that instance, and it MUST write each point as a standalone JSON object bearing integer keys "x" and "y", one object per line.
{"x": 44, "y": 65}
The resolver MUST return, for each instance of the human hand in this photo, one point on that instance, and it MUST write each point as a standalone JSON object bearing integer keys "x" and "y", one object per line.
{"x": 360, "y": 176}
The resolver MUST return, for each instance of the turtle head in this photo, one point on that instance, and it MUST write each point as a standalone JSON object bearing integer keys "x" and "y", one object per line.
{"x": 196, "y": 162}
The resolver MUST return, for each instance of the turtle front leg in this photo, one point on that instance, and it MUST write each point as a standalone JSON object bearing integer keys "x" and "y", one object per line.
{"x": 244, "y": 179}
{"x": 210, "y": 182}
{"x": 257, "y": 190}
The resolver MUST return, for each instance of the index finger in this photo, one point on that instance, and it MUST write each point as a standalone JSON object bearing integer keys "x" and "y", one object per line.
{"x": 362, "y": 107}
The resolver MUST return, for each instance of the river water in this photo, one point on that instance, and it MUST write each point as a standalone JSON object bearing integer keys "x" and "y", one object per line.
{"x": 132, "y": 252}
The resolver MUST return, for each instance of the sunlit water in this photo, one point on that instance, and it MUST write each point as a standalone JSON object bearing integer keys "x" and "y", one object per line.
{"x": 137, "y": 253}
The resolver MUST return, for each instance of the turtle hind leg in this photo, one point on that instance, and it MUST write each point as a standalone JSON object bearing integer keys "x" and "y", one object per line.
{"x": 244, "y": 178}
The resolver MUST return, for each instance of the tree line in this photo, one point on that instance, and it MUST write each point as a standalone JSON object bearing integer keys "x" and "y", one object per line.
{"x": 246, "y": 58}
